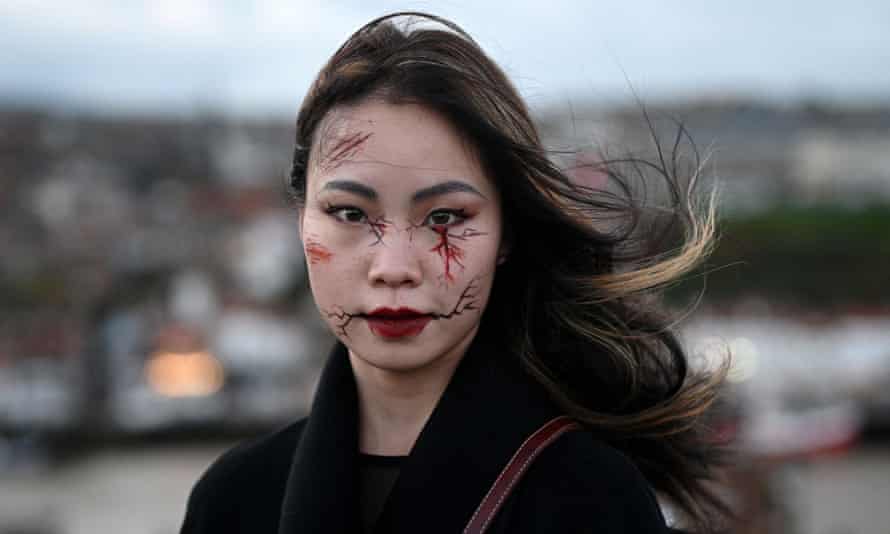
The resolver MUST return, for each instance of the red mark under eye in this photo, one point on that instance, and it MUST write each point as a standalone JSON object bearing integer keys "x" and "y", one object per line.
{"x": 449, "y": 252}
{"x": 317, "y": 252}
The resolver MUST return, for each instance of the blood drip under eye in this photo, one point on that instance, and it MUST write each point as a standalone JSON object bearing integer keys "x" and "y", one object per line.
{"x": 448, "y": 250}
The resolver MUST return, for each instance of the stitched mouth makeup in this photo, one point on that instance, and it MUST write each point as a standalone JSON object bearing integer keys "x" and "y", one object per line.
{"x": 400, "y": 323}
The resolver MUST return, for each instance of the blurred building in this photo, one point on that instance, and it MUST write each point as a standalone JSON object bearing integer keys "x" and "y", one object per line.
{"x": 762, "y": 155}
{"x": 151, "y": 275}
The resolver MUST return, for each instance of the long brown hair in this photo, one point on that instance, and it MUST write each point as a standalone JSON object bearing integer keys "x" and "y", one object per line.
{"x": 575, "y": 298}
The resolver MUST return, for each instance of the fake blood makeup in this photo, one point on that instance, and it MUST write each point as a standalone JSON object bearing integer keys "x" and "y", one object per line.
{"x": 398, "y": 323}
{"x": 447, "y": 251}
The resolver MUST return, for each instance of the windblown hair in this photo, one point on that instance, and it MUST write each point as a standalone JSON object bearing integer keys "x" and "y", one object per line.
{"x": 576, "y": 297}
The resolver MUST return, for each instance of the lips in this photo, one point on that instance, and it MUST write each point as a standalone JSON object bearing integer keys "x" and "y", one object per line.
{"x": 390, "y": 323}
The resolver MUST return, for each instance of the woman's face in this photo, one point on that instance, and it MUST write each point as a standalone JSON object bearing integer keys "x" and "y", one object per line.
{"x": 402, "y": 233}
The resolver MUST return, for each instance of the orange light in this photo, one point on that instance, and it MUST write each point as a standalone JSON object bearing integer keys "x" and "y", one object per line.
{"x": 184, "y": 374}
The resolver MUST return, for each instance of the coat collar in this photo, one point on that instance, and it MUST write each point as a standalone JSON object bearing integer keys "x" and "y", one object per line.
{"x": 487, "y": 410}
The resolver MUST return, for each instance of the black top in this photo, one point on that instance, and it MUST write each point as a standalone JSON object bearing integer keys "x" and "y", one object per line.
{"x": 303, "y": 479}
{"x": 376, "y": 476}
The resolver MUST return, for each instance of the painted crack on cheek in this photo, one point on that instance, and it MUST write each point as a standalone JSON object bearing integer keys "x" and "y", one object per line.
{"x": 467, "y": 301}
{"x": 342, "y": 317}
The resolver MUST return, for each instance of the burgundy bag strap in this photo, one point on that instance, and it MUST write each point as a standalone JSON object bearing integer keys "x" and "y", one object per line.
{"x": 516, "y": 467}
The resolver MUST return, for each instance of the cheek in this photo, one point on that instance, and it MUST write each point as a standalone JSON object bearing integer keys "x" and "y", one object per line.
{"x": 330, "y": 282}
{"x": 316, "y": 251}
{"x": 472, "y": 246}
{"x": 332, "y": 266}
{"x": 317, "y": 245}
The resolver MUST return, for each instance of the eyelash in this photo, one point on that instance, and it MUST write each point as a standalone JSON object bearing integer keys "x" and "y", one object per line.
{"x": 338, "y": 212}
{"x": 459, "y": 214}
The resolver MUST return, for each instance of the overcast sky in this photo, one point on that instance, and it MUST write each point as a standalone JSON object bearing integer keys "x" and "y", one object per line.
{"x": 259, "y": 57}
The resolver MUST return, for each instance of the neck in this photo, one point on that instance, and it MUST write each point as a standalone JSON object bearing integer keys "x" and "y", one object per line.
{"x": 395, "y": 405}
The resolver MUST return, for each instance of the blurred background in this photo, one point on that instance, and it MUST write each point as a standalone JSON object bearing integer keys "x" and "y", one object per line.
{"x": 154, "y": 307}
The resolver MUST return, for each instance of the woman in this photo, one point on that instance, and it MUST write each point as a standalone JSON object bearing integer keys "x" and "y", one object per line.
{"x": 476, "y": 294}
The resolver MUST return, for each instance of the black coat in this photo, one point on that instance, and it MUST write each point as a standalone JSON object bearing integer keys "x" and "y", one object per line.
{"x": 302, "y": 479}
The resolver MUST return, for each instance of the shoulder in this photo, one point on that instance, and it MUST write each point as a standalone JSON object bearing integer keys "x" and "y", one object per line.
{"x": 247, "y": 480}
{"x": 586, "y": 485}
{"x": 252, "y": 457}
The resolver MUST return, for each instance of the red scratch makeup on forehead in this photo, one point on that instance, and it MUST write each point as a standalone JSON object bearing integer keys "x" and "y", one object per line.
{"x": 368, "y": 133}
{"x": 335, "y": 151}
{"x": 340, "y": 137}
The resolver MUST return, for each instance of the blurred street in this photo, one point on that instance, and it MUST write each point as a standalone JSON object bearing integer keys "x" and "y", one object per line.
{"x": 144, "y": 490}
{"x": 136, "y": 490}
{"x": 846, "y": 495}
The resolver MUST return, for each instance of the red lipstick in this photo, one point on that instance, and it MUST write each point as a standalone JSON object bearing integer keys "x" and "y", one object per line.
{"x": 398, "y": 323}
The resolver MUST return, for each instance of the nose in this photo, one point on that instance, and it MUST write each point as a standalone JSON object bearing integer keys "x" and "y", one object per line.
{"x": 396, "y": 263}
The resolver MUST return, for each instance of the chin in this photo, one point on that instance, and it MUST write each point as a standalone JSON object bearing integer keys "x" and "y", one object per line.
{"x": 393, "y": 364}
{"x": 395, "y": 358}
{"x": 408, "y": 355}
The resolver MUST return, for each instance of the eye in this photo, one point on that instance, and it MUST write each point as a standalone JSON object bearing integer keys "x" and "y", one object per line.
{"x": 347, "y": 214}
{"x": 445, "y": 217}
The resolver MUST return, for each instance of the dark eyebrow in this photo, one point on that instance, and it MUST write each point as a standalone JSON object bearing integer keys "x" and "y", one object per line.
{"x": 444, "y": 188}
{"x": 351, "y": 187}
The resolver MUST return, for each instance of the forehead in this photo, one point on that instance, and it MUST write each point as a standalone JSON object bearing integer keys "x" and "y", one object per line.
{"x": 400, "y": 140}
